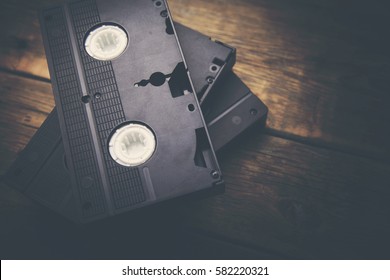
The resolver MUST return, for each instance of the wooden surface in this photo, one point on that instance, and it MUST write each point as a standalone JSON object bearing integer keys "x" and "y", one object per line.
{"x": 314, "y": 184}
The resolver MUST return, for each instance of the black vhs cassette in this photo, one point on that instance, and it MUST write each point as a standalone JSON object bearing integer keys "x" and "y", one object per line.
{"x": 232, "y": 109}
{"x": 41, "y": 170}
{"x": 132, "y": 128}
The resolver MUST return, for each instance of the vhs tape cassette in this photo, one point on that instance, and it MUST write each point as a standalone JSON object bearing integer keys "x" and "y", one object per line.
{"x": 232, "y": 109}
{"x": 41, "y": 172}
{"x": 132, "y": 128}
{"x": 208, "y": 61}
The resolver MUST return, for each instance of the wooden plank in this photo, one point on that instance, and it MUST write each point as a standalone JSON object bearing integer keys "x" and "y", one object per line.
{"x": 282, "y": 197}
{"x": 30, "y": 93}
{"x": 317, "y": 66}
{"x": 321, "y": 81}
{"x": 21, "y": 47}
{"x": 301, "y": 201}
{"x": 24, "y": 101}
{"x": 24, "y": 106}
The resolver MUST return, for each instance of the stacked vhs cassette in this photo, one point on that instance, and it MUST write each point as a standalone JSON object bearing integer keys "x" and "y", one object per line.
{"x": 142, "y": 104}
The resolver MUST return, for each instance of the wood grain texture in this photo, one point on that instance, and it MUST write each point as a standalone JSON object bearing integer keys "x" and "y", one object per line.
{"x": 317, "y": 66}
{"x": 315, "y": 185}
{"x": 282, "y": 197}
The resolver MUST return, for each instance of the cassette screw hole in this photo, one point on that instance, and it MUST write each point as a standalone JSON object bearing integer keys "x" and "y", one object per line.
{"x": 210, "y": 80}
{"x": 98, "y": 95}
{"x": 86, "y": 99}
{"x": 215, "y": 174}
{"x": 164, "y": 13}
{"x": 158, "y": 3}
{"x": 214, "y": 68}
{"x": 191, "y": 107}
{"x": 253, "y": 112}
